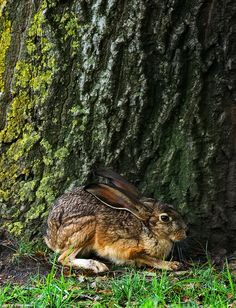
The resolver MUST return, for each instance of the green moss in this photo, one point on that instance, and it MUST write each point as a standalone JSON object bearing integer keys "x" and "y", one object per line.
{"x": 31, "y": 85}
{"x": 11, "y": 163}
{"x": 27, "y": 191}
{"x": 45, "y": 190}
{"x": 48, "y": 152}
{"x": 69, "y": 27}
{"x": 5, "y": 40}
{"x": 33, "y": 162}
{"x": 15, "y": 228}
{"x": 53, "y": 171}
{"x": 61, "y": 153}
{"x": 2, "y": 5}
{"x": 179, "y": 180}
{"x": 35, "y": 212}
{"x": 3, "y": 196}
{"x": 16, "y": 118}
{"x": 80, "y": 118}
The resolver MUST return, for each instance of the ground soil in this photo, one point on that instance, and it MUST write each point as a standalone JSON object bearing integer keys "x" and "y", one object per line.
{"x": 18, "y": 268}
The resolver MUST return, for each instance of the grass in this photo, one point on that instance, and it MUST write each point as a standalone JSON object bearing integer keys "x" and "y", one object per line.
{"x": 201, "y": 286}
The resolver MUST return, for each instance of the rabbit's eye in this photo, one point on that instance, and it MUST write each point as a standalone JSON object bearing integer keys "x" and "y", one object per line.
{"x": 164, "y": 218}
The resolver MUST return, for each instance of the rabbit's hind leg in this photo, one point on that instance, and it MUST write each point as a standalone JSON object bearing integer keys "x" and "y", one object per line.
{"x": 68, "y": 258}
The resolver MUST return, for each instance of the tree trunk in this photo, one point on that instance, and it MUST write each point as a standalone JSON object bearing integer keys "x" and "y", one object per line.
{"x": 145, "y": 87}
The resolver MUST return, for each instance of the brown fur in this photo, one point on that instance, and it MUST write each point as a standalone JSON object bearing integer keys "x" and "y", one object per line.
{"x": 79, "y": 224}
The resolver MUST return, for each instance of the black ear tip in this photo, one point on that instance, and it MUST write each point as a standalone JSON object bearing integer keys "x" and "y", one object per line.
{"x": 90, "y": 186}
{"x": 85, "y": 187}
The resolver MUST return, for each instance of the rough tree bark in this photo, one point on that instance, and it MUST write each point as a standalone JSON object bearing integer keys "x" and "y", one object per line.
{"x": 146, "y": 87}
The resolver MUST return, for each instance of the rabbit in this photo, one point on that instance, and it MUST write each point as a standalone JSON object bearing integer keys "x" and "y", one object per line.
{"x": 116, "y": 223}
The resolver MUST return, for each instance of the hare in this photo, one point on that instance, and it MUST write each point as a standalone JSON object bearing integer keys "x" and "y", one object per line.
{"x": 114, "y": 222}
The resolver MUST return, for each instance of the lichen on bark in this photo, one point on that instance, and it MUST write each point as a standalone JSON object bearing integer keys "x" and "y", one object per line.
{"x": 5, "y": 39}
{"x": 141, "y": 87}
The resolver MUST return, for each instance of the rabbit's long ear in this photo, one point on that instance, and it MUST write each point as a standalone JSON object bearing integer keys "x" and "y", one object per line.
{"x": 118, "y": 181}
{"x": 117, "y": 199}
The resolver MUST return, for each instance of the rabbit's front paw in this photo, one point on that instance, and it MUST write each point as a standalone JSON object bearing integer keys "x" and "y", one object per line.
{"x": 175, "y": 265}
{"x": 98, "y": 267}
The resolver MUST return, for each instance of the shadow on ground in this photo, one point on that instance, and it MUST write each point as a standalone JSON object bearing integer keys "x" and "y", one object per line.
{"x": 18, "y": 268}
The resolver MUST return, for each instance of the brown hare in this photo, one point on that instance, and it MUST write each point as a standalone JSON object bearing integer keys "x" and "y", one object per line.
{"x": 114, "y": 222}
